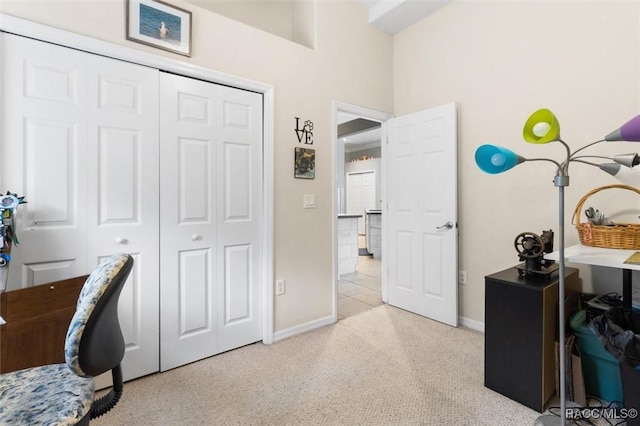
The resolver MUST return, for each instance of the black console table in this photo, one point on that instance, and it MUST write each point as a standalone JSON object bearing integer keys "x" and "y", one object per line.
{"x": 520, "y": 333}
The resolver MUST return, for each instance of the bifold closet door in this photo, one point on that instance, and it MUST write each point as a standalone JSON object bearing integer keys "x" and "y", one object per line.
{"x": 43, "y": 155}
{"x": 211, "y": 226}
{"x": 80, "y": 142}
{"x": 361, "y": 194}
{"x": 123, "y": 160}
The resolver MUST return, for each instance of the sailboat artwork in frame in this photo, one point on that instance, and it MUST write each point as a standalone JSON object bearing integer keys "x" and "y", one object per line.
{"x": 159, "y": 24}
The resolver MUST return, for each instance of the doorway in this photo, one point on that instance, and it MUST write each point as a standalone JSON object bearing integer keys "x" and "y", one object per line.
{"x": 358, "y": 200}
{"x": 419, "y": 258}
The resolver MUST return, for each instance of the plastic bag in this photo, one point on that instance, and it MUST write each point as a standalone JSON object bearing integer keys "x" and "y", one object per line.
{"x": 618, "y": 330}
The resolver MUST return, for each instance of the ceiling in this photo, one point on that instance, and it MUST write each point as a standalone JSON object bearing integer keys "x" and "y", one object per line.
{"x": 392, "y": 16}
{"x": 361, "y": 140}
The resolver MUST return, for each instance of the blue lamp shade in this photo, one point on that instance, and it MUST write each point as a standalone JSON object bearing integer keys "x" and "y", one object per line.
{"x": 629, "y": 131}
{"x": 494, "y": 159}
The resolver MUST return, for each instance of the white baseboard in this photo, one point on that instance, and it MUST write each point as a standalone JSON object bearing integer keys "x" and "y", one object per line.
{"x": 303, "y": 328}
{"x": 329, "y": 320}
{"x": 472, "y": 324}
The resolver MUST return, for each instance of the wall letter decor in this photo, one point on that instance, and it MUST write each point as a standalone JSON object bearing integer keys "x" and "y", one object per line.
{"x": 305, "y": 134}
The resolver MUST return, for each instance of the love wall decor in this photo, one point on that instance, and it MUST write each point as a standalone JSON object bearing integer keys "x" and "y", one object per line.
{"x": 305, "y": 158}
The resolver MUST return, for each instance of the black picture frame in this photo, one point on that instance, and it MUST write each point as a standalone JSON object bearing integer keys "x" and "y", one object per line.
{"x": 305, "y": 163}
{"x": 159, "y": 24}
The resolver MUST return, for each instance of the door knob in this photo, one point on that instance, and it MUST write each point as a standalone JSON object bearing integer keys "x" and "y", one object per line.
{"x": 447, "y": 225}
{"x": 120, "y": 240}
{"x": 195, "y": 237}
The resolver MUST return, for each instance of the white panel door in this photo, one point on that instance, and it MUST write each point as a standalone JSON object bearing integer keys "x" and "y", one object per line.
{"x": 80, "y": 141}
{"x": 369, "y": 190}
{"x": 44, "y": 150}
{"x": 422, "y": 213}
{"x": 123, "y": 178}
{"x": 368, "y": 198}
{"x": 211, "y": 186}
{"x": 354, "y": 197}
{"x": 239, "y": 218}
{"x": 188, "y": 161}
{"x": 361, "y": 195}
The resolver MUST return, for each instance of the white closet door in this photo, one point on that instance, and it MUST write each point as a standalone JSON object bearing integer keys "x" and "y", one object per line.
{"x": 361, "y": 195}
{"x": 43, "y": 157}
{"x": 80, "y": 141}
{"x": 239, "y": 218}
{"x": 211, "y": 171}
{"x": 188, "y": 324}
{"x": 354, "y": 193}
{"x": 368, "y": 197}
{"x": 123, "y": 177}
{"x": 369, "y": 190}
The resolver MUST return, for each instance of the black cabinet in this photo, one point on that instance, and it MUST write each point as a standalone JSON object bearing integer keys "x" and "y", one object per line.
{"x": 520, "y": 334}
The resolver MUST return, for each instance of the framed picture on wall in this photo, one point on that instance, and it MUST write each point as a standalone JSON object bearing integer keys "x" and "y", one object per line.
{"x": 159, "y": 24}
{"x": 305, "y": 163}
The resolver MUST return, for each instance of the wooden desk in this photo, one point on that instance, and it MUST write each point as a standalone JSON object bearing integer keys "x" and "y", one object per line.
{"x": 612, "y": 258}
{"x": 37, "y": 321}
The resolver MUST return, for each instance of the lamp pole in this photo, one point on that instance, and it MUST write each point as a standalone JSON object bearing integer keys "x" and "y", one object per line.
{"x": 561, "y": 181}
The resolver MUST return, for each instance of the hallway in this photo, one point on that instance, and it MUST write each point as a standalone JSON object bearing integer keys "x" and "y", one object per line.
{"x": 361, "y": 290}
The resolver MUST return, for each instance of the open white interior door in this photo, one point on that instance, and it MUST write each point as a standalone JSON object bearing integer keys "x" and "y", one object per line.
{"x": 421, "y": 213}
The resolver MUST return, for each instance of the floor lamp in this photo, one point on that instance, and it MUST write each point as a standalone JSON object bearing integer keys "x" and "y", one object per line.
{"x": 542, "y": 127}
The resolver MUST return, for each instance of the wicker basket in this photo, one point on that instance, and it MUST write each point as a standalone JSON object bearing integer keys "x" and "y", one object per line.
{"x": 618, "y": 236}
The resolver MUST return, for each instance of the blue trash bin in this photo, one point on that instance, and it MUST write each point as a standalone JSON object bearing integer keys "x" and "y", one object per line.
{"x": 600, "y": 369}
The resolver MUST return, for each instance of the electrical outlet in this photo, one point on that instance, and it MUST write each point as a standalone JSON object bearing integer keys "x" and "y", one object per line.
{"x": 462, "y": 277}
{"x": 280, "y": 288}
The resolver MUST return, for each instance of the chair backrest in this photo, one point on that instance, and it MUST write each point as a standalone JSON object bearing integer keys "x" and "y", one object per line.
{"x": 94, "y": 342}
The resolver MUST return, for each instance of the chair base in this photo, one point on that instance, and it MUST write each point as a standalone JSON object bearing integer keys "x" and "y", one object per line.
{"x": 108, "y": 401}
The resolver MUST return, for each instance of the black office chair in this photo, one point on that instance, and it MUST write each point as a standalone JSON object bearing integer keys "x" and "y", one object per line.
{"x": 64, "y": 393}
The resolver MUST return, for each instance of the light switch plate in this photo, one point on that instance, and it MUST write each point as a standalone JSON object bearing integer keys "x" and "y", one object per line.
{"x": 309, "y": 201}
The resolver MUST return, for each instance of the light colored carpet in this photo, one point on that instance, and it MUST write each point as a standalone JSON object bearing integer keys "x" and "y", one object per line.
{"x": 382, "y": 367}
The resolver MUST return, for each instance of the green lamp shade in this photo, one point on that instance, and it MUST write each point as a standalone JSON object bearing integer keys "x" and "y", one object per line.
{"x": 541, "y": 127}
{"x": 494, "y": 159}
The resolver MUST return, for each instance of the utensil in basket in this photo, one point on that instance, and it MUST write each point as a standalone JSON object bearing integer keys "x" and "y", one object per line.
{"x": 606, "y": 234}
{"x": 597, "y": 217}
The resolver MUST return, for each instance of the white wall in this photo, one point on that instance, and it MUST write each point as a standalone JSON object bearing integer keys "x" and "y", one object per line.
{"x": 500, "y": 61}
{"x": 275, "y": 17}
{"x": 306, "y": 83}
{"x": 291, "y": 19}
